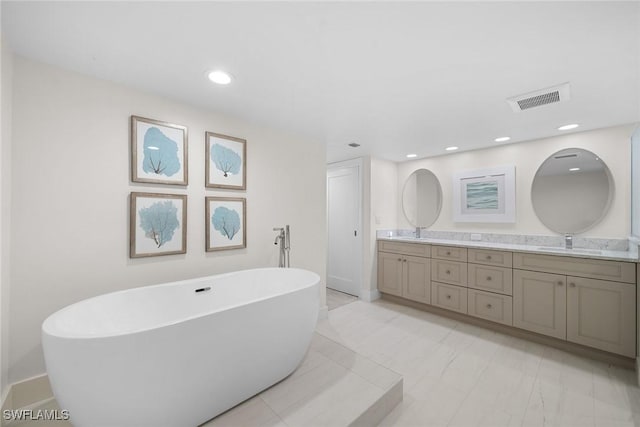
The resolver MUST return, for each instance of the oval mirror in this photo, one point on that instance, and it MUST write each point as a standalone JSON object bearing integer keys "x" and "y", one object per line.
{"x": 422, "y": 198}
{"x": 572, "y": 191}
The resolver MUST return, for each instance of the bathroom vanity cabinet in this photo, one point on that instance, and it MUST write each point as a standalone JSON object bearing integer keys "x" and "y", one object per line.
{"x": 586, "y": 301}
{"x": 404, "y": 270}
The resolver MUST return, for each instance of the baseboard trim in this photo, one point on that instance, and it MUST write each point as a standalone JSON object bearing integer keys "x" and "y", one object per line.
{"x": 29, "y": 393}
{"x": 369, "y": 295}
{"x": 603, "y": 356}
{"x": 7, "y": 404}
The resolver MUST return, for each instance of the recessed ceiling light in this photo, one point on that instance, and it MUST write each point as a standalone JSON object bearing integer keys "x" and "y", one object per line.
{"x": 411, "y": 156}
{"x": 220, "y": 77}
{"x": 574, "y": 169}
{"x": 568, "y": 127}
{"x": 354, "y": 145}
{"x": 451, "y": 148}
{"x": 502, "y": 139}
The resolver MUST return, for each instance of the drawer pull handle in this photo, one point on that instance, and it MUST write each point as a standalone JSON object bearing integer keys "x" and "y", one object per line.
{"x": 448, "y": 253}
{"x": 488, "y": 305}
{"x": 488, "y": 256}
{"x": 488, "y": 278}
{"x": 399, "y": 259}
{"x": 404, "y": 260}
{"x": 448, "y": 272}
{"x": 560, "y": 283}
{"x": 573, "y": 285}
{"x": 448, "y": 296}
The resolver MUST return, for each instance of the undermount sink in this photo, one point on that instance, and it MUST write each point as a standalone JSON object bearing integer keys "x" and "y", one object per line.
{"x": 575, "y": 250}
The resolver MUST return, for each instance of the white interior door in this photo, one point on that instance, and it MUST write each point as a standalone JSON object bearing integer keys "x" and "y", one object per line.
{"x": 343, "y": 217}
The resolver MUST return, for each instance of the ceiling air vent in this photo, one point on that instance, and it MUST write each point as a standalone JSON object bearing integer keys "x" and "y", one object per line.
{"x": 538, "y": 98}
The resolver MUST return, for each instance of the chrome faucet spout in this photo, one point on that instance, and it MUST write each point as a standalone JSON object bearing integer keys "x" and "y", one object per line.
{"x": 283, "y": 240}
{"x": 568, "y": 241}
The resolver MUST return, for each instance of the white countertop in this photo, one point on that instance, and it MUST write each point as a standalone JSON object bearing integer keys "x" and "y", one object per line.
{"x": 626, "y": 256}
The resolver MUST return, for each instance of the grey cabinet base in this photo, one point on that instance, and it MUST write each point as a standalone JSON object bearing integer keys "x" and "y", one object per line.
{"x": 603, "y": 356}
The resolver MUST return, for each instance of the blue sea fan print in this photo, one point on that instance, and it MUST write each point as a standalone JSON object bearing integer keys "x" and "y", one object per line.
{"x": 160, "y": 153}
{"x": 226, "y": 221}
{"x": 226, "y": 160}
{"x": 159, "y": 221}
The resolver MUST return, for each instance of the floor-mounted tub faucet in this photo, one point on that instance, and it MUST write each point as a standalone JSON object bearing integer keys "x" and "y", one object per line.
{"x": 284, "y": 241}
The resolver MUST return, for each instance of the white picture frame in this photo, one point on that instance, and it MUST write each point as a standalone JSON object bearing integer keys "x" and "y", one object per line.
{"x": 485, "y": 195}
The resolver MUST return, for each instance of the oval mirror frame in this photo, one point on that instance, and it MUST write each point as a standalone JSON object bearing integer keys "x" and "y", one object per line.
{"x": 421, "y": 188}
{"x": 572, "y": 191}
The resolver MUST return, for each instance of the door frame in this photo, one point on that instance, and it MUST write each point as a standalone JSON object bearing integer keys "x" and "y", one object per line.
{"x": 359, "y": 165}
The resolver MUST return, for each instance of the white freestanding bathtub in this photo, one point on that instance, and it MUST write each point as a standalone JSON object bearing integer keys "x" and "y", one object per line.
{"x": 178, "y": 354}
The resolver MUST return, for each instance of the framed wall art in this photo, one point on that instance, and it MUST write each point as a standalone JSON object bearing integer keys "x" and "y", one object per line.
{"x": 485, "y": 195}
{"x": 158, "y": 224}
{"x": 226, "y": 162}
{"x": 158, "y": 152}
{"x": 225, "y": 223}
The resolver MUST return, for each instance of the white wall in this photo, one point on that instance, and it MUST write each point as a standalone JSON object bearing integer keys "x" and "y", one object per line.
{"x": 71, "y": 187}
{"x": 381, "y": 212}
{"x": 635, "y": 186}
{"x": 6, "y": 72}
{"x": 611, "y": 144}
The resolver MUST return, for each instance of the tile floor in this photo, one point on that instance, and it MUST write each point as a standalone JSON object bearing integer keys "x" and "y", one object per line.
{"x": 333, "y": 386}
{"x": 456, "y": 374}
{"x": 337, "y": 299}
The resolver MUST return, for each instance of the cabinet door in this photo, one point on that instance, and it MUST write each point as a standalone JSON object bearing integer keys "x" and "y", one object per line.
{"x": 450, "y": 297}
{"x": 451, "y": 253}
{"x": 390, "y": 273}
{"x": 490, "y": 257}
{"x": 489, "y": 278}
{"x": 540, "y": 302}
{"x": 452, "y": 272}
{"x": 602, "y": 314}
{"x": 490, "y": 306}
{"x": 417, "y": 279}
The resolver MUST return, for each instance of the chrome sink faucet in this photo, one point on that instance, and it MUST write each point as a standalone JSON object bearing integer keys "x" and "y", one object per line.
{"x": 568, "y": 241}
{"x": 418, "y": 232}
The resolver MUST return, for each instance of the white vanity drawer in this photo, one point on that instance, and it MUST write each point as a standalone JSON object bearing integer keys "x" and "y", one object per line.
{"x": 415, "y": 249}
{"x": 452, "y": 272}
{"x": 489, "y": 306}
{"x": 490, "y": 278}
{"x": 616, "y": 271}
{"x": 490, "y": 257}
{"x": 451, "y": 253}
{"x": 450, "y": 297}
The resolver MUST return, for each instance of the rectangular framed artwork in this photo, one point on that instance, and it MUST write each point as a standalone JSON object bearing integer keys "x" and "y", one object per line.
{"x": 225, "y": 223}
{"x": 485, "y": 195}
{"x": 158, "y": 152}
{"x": 158, "y": 224}
{"x": 226, "y": 162}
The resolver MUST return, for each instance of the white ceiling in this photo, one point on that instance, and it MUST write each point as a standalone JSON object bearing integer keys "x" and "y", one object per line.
{"x": 395, "y": 77}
